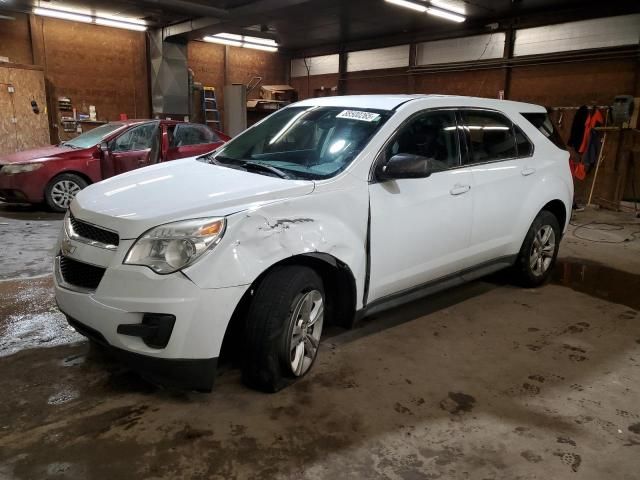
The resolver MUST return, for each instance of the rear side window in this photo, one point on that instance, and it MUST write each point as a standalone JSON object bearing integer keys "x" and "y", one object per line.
{"x": 543, "y": 123}
{"x": 491, "y": 136}
{"x": 190, "y": 134}
{"x": 525, "y": 147}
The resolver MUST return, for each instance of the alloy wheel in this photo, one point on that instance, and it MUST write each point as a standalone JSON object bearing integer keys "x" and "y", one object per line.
{"x": 307, "y": 318}
{"x": 63, "y": 192}
{"x": 542, "y": 250}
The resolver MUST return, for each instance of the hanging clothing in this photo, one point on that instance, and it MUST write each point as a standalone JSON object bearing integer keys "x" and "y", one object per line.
{"x": 592, "y": 151}
{"x": 577, "y": 128}
{"x": 595, "y": 119}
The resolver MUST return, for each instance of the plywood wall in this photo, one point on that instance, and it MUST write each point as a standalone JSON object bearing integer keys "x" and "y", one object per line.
{"x": 29, "y": 129}
{"x": 15, "y": 42}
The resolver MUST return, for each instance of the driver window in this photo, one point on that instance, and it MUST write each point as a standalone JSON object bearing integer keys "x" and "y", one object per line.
{"x": 432, "y": 135}
{"x": 138, "y": 138}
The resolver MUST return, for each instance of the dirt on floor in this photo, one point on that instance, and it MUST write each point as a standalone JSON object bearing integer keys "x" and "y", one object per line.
{"x": 487, "y": 381}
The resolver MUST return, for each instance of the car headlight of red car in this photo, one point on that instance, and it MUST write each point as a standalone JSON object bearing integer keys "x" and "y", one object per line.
{"x": 16, "y": 168}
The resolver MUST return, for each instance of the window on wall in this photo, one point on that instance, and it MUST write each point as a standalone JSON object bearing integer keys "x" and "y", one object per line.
{"x": 432, "y": 135}
{"x": 490, "y": 135}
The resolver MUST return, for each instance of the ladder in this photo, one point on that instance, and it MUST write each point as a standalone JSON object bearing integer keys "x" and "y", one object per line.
{"x": 210, "y": 111}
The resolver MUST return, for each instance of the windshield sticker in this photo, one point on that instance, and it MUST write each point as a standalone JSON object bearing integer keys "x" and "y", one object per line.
{"x": 358, "y": 115}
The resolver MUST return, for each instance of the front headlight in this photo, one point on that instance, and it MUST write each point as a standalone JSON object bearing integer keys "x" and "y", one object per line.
{"x": 173, "y": 246}
{"x": 20, "y": 168}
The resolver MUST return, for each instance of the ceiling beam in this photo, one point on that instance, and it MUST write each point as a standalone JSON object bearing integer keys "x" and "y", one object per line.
{"x": 233, "y": 19}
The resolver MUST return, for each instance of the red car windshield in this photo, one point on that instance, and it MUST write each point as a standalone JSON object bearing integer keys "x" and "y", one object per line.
{"x": 93, "y": 137}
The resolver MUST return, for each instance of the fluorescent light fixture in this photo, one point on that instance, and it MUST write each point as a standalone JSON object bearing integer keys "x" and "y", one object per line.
{"x": 222, "y": 41}
{"x": 243, "y": 41}
{"x": 413, "y": 6}
{"x": 450, "y": 6}
{"x": 111, "y": 21}
{"x": 118, "y": 24}
{"x": 76, "y": 17}
{"x": 438, "y": 12}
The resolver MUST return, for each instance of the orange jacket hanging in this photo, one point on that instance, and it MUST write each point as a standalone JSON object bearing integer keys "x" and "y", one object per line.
{"x": 593, "y": 120}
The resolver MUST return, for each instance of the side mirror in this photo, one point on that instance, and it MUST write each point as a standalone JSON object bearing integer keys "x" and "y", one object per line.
{"x": 405, "y": 165}
{"x": 104, "y": 147}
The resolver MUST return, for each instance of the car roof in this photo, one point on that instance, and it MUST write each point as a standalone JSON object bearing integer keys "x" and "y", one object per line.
{"x": 391, "y": 102}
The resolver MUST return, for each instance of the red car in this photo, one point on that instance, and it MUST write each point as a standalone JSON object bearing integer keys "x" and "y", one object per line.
{"x": 55, "y": 174}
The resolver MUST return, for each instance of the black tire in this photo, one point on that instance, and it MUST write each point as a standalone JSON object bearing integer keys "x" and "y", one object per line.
{"x": 525, "y": 274}
{"x": 52, "y": 200}
{"x": 267, "y": 363}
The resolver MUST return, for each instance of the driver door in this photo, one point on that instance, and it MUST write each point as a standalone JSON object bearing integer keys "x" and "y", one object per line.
{"x": 421, "y": 227}
{"x": 137, "y": 147}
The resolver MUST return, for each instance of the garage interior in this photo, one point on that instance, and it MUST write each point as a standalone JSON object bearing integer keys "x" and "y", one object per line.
{"x": 485, "y": 381}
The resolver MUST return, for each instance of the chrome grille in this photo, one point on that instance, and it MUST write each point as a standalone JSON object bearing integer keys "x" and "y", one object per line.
{"x": 91, "y": 232}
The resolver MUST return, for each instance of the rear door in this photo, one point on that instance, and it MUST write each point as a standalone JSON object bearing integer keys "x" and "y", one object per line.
{"x": 500, "y": 158}
{"x": 189, "y": 139}
{"x": 137, "y": 147}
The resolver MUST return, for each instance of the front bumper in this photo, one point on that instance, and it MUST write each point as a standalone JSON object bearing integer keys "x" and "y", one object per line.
{"x": 27, "y": 187}
{"x": 126, "y": 293}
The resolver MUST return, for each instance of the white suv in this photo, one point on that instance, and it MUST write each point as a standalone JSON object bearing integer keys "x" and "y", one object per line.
{"x": 326, "y": 211}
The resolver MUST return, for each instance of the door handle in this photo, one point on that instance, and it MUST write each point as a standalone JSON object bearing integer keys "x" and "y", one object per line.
{"x": 459, "y": 189}
{"x": 528, "y": 171}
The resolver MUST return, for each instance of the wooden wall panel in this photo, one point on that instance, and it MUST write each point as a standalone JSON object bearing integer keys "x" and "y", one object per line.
{"x": 31, "y": 129}
{"x": 573, "y": 83}
{"x": 207, "y": 61}
{"x": 100, "y": 66}
{"x": 479, "y": 83}
{"x": 306, "y": 87}
{"x": 392, "y": 80}
{"x": 15, "y": 41}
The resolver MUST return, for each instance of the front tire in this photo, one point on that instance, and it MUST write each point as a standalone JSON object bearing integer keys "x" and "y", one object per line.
{"x": 283, "y": 329}
{"x": 62, "y": 190}
{"x": 539, "y": 251}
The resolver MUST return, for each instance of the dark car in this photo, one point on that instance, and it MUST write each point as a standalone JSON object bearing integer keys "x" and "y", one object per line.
{"x": 54, "y": 174}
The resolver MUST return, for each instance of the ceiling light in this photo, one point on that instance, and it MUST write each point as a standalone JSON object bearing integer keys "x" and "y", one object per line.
{"x": 222, "y": 41}
{"x": 413, "y": 6}
{"x": 438, "y": 12}
{"x": 76, "y": 17}
{"x": 128, "y": 23}
{"x": 243, "y": 41}
{"x": 118, "y": 24}
{"x": 450, "y": 6}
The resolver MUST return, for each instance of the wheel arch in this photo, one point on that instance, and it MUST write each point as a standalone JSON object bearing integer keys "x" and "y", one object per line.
{"x": 82, "y": 175}
{"x": 340, "y": 291}
{"x": 558, "y": 209}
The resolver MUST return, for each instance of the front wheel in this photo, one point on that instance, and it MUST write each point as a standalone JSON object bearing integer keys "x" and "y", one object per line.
{"x": 539, "y": 250}
{"x": 62, "y": 190}
{"x": 283, "y": 329}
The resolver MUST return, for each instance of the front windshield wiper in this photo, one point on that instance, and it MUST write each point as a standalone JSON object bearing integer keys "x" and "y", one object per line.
{"x": 250, "y": 165}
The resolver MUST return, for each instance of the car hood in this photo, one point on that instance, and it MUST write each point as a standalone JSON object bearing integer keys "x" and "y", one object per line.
{"x": 137, "y": 201}
{"x": 41, "y": 153}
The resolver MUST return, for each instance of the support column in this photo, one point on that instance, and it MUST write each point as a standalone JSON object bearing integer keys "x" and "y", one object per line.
{"x": 508, "y": 55}
{"x": 169, "y": 76}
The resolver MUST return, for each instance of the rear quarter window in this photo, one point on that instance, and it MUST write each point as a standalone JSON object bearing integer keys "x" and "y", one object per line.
{"x": 544, "y": 124}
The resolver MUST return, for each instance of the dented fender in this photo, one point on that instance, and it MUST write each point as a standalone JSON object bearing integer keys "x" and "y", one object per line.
{"x": 330, "y": 221}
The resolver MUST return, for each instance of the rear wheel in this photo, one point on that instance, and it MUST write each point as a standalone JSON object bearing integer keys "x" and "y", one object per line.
{"x": 62, "y": 190}
{"x": 539, "y": 250}
{"x": 283, "y": 329}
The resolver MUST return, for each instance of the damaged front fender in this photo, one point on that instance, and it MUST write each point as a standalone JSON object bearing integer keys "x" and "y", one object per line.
{"x": 330, "y": 222}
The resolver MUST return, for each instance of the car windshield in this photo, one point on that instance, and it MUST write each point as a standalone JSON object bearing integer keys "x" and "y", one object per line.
{"x": 92, "y": 137}
{"x": 303, "y": 142}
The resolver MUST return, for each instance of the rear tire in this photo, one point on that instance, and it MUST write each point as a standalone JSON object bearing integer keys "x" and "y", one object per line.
{"x": 283, "y": 328}
{"x": 62, "y": 189}
{"x": 539, "y": 251}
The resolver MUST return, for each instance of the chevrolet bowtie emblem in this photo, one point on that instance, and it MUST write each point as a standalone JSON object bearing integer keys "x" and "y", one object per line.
{"x": 66, "y": 247}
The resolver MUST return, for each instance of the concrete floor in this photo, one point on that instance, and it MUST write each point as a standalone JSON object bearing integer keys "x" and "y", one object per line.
{"x": 487, "y": 381}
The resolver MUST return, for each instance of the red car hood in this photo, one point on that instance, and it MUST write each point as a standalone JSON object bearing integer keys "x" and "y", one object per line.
{"x": 35, "y": 154}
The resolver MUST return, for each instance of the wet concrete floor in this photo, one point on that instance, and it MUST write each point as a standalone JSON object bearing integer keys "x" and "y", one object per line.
{"x": 486, "y": 381}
